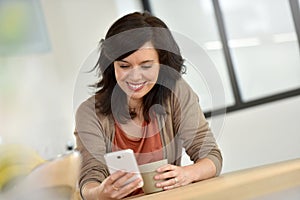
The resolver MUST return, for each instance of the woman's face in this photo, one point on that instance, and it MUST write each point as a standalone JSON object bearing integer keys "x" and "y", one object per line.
{"x": 138, "y": 73}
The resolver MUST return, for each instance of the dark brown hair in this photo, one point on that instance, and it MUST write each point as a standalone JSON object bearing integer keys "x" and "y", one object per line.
{"x": 124, "y": 37}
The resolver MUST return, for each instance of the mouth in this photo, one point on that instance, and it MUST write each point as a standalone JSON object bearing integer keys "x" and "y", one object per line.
{"x": 136, "y": 86}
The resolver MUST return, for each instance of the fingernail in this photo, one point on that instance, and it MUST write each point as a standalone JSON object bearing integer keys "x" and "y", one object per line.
{"x": 158, "y": 185}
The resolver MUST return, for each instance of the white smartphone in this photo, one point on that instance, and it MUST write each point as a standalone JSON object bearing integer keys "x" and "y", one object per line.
{"x": 123, "y": 160}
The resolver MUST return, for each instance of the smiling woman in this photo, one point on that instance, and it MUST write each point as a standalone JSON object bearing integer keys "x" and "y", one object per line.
{"x": 142, "y": 103}
{"x": 138, "y": 73}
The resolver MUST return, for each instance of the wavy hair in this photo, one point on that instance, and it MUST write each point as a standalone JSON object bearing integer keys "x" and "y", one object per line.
{"x": 124, "y": 37}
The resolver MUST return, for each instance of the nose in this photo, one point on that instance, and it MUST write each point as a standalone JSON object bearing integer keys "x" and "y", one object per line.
{"x": 135, "y": 74}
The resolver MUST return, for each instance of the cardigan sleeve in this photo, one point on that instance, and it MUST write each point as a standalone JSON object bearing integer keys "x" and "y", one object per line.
{"x": 90, "y": 142}
{"x": 192, "y": 127}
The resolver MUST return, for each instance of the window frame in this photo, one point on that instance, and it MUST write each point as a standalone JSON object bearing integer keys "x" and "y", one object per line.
{"x": 239, "y": 103}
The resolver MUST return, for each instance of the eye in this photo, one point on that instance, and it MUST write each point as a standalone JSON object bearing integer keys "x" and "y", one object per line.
{"x": 121, "y": 64}
{"x": 124, "y": 66}
{"x": 146, "y": 66}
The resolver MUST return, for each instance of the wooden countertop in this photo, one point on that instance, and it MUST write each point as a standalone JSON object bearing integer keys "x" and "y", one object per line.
{"x": 245, "y": 184}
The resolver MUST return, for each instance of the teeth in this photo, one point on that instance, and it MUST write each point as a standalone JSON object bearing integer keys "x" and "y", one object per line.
{"x": 135, "y": 86}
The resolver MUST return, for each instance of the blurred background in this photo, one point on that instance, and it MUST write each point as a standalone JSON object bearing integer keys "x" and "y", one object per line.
{"x": 254, "y": 46}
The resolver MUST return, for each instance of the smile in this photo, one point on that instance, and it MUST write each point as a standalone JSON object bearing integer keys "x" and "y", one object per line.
{"x": 136, "y": 86}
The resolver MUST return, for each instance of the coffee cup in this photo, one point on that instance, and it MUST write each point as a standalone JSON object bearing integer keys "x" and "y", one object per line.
{"x": 148, "y": 171}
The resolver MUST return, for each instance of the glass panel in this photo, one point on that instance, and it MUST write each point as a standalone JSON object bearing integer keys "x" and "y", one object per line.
{"x": 264, "y": 46}
{"x": 196, "y": 21}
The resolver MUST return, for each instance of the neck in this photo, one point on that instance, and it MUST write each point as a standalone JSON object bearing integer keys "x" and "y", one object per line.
{"x": 134, "y": 104}
{"x": 135, "y": 108}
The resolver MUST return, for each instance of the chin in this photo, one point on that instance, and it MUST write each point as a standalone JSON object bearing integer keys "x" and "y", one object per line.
{"x": 136, "y": 96}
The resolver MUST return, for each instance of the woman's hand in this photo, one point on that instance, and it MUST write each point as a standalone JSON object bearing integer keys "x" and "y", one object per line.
{"x": 112, "y": 187}
{"x": 175, "y": 176}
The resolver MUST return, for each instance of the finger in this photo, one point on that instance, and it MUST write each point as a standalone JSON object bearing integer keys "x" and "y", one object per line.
{"x": 115, "y": 188}
{"x": 122, "y": 179}
{"x": 115, "y": 176}
{"x": 129, "y": 188}
{"x": 166, "y": 175}
{"x": 171, "y": 187}
{"x": 167, "y": 167}
{"x": 168, "y": 183}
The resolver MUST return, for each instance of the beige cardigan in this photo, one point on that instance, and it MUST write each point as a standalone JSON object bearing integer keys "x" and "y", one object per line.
{"x": 184, "y": 125}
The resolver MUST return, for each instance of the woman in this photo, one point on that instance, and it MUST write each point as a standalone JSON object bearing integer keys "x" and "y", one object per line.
{"x": 142, "y": 103}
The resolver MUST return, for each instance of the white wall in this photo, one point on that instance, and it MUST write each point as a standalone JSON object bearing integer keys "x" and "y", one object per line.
{"x": 40, "y": 107}
{"x": 261, "y": 135}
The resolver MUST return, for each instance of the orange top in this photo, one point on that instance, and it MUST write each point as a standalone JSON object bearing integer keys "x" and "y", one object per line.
{"x": 147, "y": 148}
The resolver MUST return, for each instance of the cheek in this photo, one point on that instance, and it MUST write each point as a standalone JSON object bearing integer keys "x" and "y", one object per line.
{"x": 119, "y": 75}
{"x": 153, "y": 76}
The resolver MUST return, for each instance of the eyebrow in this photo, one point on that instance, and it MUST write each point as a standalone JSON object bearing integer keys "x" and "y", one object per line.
{"x": 143, "y": 62}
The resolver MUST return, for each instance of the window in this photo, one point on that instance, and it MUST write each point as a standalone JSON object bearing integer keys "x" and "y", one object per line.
{"x": 197, "y": 22}
{"x": 263, "y": 45}
{"x": 254, "y": 45}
